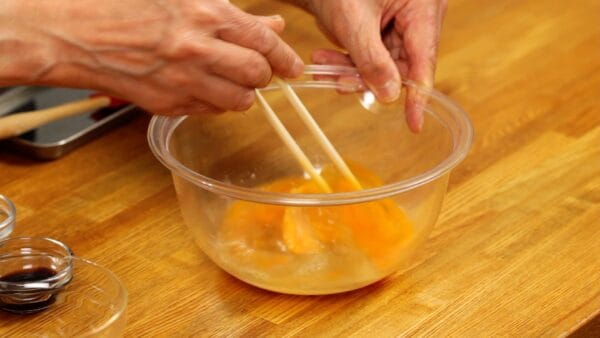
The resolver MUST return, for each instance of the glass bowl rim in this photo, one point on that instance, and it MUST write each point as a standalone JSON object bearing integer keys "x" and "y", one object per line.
{"x": 11, "y": 214}
{"x": 120, "y": 303}
{"x": 65, "y": 272}
{"x": 122, "y": 299}
{"x": 161, "y": 129}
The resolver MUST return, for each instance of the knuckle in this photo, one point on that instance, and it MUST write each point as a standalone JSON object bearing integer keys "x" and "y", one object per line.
{"x": 287, "y": 60}
{"x": 261, "y": 37}
{"x": 374, "y": 67}
{"x": 204, "y": 13}
{"x": 183, "y": 45}
{"x": 243, "y": 100}
{"x": 176, "y": 78}
{"x": 257, "y": 73}
{"x": 236, "y": 25}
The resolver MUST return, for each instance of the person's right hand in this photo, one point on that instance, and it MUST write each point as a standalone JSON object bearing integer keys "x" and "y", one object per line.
{"x": 169, "y": 57}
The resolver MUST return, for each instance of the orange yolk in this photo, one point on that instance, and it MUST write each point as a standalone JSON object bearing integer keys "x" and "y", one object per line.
{"x": 378, "y": 229}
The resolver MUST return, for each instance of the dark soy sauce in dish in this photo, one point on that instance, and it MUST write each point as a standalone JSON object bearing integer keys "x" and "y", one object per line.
{"x": 38, "y": 302}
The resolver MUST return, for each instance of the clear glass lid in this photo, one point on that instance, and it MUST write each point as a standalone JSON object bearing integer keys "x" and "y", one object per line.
{"x": 45, "y": 291}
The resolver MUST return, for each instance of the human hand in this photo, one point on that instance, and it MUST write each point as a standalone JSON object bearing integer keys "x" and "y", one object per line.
{"x": 385, "y": 40}
{"x": 169, "y": 57}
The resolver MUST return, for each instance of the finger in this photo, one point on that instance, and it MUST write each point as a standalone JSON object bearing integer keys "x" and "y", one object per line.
{"x": 402, "y": 66}
{"x": 243, "y": 66}
{"x": 196, "y": 107}
{"x": 373, "y": 59}
{"x": 155, "y": 97}
{"x": 348, "y": 83}
{"x": 275, "y": 22}
{"x": 421, "y": 36}
{"x": 331, "y": 57}
{"x": 223, "y": 94}
{"x": 395, "y": 45}
{"x": 188, "y": 82}
{"x": 245, "y": 30}
{"x": 420, "y": 42}
{"x": 414, "y": 109}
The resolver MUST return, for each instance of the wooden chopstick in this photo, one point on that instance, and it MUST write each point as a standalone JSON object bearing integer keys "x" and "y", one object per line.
{"x": 317, "y": 132}
{"x": 287, "y": 138}
{"x": 14, "y": 125}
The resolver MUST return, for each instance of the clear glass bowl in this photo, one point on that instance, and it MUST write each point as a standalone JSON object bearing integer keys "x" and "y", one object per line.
{"x": 8, "y": 215}
{"x": 285, "y": 236}
{"x": 45, "y": 291}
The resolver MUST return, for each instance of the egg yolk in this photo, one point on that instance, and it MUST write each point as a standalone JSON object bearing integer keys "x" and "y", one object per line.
{"x": 378, "y": 230}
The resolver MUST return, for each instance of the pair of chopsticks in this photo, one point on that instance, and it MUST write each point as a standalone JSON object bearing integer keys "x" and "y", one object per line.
{"x": 314, "y": 128}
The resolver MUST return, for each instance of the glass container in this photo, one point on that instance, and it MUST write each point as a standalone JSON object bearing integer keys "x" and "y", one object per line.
{"x": 253, "y": 210}
{"x": 45, "y": 291}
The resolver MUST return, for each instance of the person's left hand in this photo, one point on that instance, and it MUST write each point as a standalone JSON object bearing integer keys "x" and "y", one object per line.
{"x": 385, "y": 40}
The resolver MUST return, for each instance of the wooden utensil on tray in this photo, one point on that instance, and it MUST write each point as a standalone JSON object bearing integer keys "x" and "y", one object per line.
{"x": 19, "y": 123}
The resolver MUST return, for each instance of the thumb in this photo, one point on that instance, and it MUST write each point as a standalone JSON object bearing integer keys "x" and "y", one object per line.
{"x": 373, "y": 61}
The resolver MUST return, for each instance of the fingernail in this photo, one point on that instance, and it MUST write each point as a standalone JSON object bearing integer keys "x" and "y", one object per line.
{"x": 276, "y": 17}
{"x": 390, "y": 91}
{"x": 420, "y": 121}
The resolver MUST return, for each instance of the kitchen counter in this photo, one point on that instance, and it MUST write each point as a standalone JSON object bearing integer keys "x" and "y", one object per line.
{"x": 516, "y": 251}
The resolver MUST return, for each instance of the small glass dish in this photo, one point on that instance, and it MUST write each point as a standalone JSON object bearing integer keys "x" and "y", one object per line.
{"x": 33, "y": 270}
{"x": 8, "y": 215}
{"x": 46, "y": 291}
{"x": 250, "y": 206}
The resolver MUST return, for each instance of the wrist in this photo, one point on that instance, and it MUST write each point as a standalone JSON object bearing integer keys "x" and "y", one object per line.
{"x": 29, "y": 50}
{"x": 24, "y": 54}
{"x": 64, "y": 43}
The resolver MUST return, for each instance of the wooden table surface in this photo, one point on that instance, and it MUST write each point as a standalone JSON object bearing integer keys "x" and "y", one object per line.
{"x": 516, "y": 251}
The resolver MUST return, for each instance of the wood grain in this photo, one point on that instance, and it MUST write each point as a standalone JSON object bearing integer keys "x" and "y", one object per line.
{"x": 516, "y": 251}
